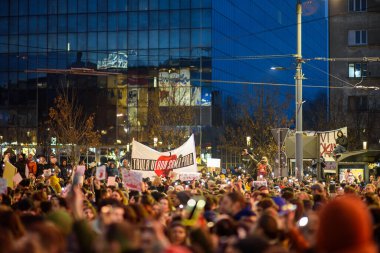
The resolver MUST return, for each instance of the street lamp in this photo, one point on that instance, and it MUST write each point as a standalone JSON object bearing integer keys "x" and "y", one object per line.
{"x": 298, "y": 78}
{"x": 155, "y": 140}
{"x": 248, "y": 141}
{"x": 277, "y": 68}
{"x": 364, "y": 145}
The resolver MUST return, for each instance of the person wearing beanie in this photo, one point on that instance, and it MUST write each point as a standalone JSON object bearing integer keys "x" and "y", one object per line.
{"x": 345, "y": 227}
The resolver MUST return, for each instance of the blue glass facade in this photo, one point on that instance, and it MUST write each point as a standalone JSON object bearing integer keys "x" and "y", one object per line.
{"x": 209, "y": 39}
{"x": 250, "y": 37}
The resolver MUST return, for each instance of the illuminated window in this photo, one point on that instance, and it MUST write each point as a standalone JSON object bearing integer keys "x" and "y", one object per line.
{"x": 357, "y": 70}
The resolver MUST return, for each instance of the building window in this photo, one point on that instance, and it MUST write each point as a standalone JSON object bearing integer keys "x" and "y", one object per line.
{"x": 357, "y": 103}
{"x": 357, "y": 70}
{"x": 357, "y": 5}
{"x": 357, "y": 37}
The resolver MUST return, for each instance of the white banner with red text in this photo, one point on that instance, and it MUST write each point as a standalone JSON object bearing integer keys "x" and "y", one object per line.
{"x": 152, "y": 163}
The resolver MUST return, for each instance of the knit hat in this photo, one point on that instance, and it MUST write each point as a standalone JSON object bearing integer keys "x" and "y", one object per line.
{"x": 345, "y": 226}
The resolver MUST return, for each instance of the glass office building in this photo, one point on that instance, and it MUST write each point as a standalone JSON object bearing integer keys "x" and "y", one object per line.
{"x": 118, "y": 53}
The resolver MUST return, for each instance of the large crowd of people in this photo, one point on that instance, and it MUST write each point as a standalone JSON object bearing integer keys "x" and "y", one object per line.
{"x": 229, "y": 211}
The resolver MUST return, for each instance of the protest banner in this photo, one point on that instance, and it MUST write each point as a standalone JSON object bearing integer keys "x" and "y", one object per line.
{"x": 3, "y": 186}
{"x": 17, "y": 179}
{"x": 9, "y": 172}
{"x": 132, "y": 179}
{"x": 186, "y": 176}
{"x": 327, "y": 142}
{"x": 153, "y": 163}
{"x": 173, "y": 175}
{"x": 101, "y": 172}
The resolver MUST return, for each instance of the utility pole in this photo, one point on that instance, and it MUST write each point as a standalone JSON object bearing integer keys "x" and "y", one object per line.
{"x": 299, "y": 102}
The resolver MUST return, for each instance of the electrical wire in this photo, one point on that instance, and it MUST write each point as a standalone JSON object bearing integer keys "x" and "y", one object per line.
{"x": 272, "y": 84}
{"x": 335, "y": 77}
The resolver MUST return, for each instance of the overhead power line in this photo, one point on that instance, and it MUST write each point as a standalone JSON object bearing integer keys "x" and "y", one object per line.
{"x": 272, "y": 84}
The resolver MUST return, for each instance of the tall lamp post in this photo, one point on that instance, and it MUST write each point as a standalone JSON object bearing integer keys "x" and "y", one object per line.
{"x": 299, "y": 102}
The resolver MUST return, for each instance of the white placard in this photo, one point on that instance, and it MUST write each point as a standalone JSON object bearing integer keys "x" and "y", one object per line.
{"x": 132, "y": 179}
{"x": 213, "y": 163}
{"x": 17, "y": 178}
{"x": 258, "y": 184}
{"x": 111, "y": 181}
{"x": 183, "y": 176}
{"x": 101, "y": 172}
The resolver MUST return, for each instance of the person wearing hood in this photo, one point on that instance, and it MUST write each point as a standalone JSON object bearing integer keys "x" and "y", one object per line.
{"x": 112, "y": 170}
{"x": 21, "y": 165}
{"x": 341, "y": 143}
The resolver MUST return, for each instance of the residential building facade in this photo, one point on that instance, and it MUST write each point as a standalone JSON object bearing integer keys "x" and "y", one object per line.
{"x": 355, "y": 69}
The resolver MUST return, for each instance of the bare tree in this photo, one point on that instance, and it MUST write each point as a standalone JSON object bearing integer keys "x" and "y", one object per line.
{"x": 170, "y": 122}
{"x": 71, "y": 126}
{"x": 262, "y": 113}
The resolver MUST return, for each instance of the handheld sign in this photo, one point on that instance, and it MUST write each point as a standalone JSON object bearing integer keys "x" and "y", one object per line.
{"x": 188, "y": 176}
{"x": 111, "y": 181}
{"x": 258, "y": 184}
{"x": 132, "y": 179}
{"x": 17, "y": 179}
{"x": 101, "y": 172}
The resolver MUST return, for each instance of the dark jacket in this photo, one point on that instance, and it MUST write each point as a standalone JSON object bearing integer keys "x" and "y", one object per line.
{"x": 249, "y": 163}
{"x": 40, "y": 169}
{"x": 342, "y": 140}
{"x": 20, "y": 165}
{"x": 112, "y": 172}
{"x": 64, "y": 173}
